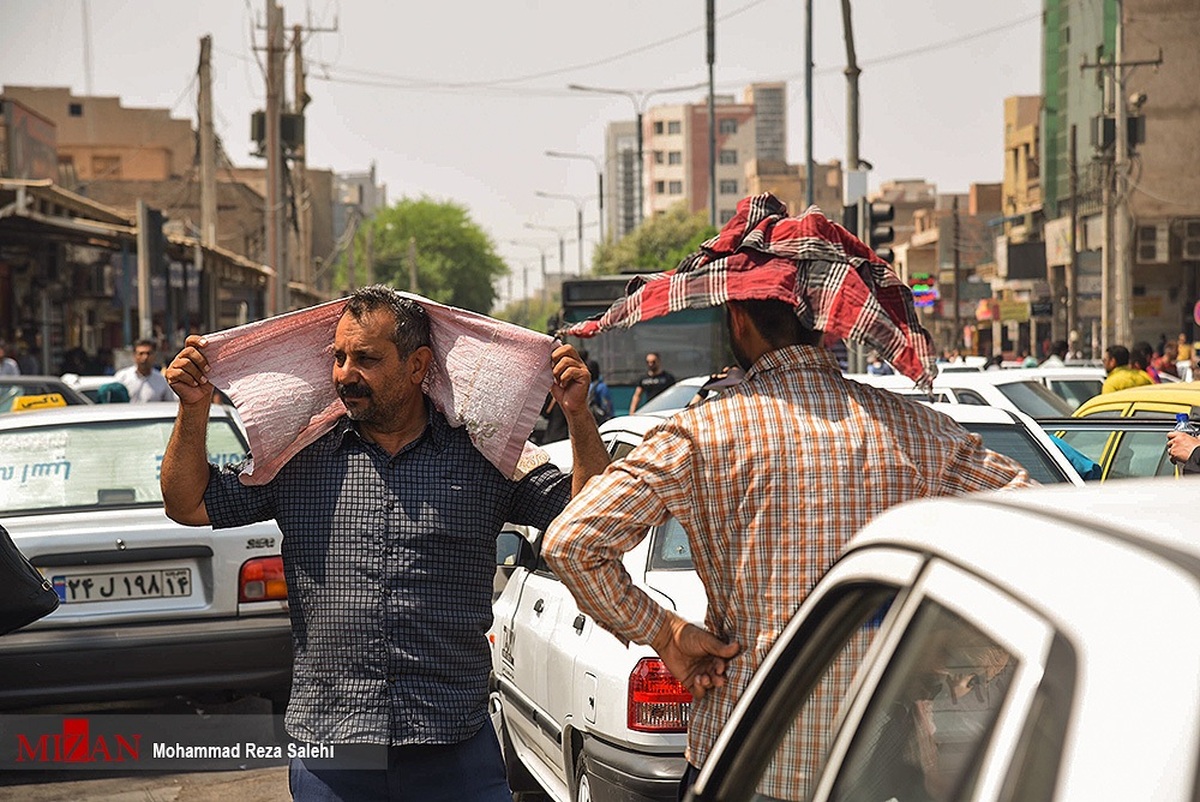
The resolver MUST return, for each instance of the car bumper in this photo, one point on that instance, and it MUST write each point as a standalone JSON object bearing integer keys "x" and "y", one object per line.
{"x": 51, "y": 666}
{"x": 620, "y": 775}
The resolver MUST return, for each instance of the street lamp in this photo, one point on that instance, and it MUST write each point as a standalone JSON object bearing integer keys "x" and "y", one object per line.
{"x": 562, "y": 244}
{"x": 599, "y": 163}
{"x": 541, "y": 250}
{"x": 578, "y": 201}
{"x": 638, "y": 98}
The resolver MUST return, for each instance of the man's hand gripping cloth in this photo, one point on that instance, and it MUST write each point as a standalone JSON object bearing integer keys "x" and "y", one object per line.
{"x": 487, "y": 375}
{"x": 835, "y": 282}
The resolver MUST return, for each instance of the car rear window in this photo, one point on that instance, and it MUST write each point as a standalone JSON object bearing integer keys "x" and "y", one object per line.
{"x": 48, "y": 469}
{"x": 1076, "y": 391}
{"x": 1016, "y": 442}
{"x": 1035, "y": 400}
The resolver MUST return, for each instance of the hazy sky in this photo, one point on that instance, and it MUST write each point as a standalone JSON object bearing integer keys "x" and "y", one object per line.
{"x": 461, "y": 100}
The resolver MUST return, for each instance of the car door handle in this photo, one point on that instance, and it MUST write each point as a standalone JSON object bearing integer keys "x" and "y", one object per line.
{"x": 579, "y": 621}
{"x": 538, "y": 606}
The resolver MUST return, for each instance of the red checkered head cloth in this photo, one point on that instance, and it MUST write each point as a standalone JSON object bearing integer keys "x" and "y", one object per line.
{"x": 835, "y": 282}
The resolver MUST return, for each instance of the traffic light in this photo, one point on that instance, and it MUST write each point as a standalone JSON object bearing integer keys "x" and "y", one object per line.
{"x": 874, "y": 227}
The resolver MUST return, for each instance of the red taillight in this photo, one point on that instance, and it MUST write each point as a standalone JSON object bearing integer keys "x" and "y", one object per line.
{"x": 261, "y": 579}
{"x": 657, "y": 701}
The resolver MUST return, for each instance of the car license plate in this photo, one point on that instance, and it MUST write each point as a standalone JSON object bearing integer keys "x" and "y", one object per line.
{"x": 119, "y": 586}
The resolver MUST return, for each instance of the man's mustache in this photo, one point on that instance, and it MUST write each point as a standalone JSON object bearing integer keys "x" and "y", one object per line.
{"x": 355, "y": 390}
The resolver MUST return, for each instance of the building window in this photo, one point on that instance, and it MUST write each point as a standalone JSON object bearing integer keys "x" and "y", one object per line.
{"x": 728, "y": 157}
{"x": 674, "y": 127}
{"x": 660, "y": 187}
{"x": 658, "y": 157}
{"x": 675, "y": 188}
{"x": 106, "y": 167}
{"x": 675, "y": 157}
{"x": 728, "y": 186}
{"x": 727, "y": 126}
{"x": 75, "y": 109}
{"x": 727, "y": 215}
{"x": 658, "y": 127}
{"x": 1153, "y": 244}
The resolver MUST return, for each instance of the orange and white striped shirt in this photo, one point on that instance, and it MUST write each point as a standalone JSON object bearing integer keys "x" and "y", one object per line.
{"x": 769, "y": 480}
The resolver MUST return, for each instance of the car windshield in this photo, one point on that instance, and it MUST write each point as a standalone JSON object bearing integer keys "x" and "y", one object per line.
{"x": 46, "y": 469}
{"x": 1035, "y": 400}
{"x": 1019, "y": 444}
{"x": 10, "y": 392}
{"x": 677, "y": 396}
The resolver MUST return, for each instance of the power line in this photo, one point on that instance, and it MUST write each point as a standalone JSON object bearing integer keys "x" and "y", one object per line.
{"x": 422, "y": 83}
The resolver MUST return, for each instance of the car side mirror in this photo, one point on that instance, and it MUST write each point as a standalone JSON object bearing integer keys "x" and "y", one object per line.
{"x": 513, "y": 549}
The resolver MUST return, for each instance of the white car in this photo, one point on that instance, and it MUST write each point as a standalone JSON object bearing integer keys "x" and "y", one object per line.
{"x": 1008, "y": 641}
{"x": 578, "y": 714}
{"x": 1075, "y": 383}
{"x": 148, "y": 607}
{"x": 1007, "y": 389}
{"x": 583, "y": 717}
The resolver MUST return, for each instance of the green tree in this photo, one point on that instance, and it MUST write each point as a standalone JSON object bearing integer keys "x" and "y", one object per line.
{"x": 456, "y": 261}
{"x": 658, "y": 244}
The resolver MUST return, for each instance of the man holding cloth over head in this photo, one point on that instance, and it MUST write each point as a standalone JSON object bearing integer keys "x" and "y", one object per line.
{"x": 389, "y": 513}
{"x": 771, "y": 477}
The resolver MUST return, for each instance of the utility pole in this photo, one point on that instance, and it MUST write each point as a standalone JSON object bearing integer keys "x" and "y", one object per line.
{"x": 350, "y": 277}
{"x": 369, "y": 262}
{"x": 808, "y": 104}
{"x": 1117, "y": 281}
{"x": 412, "y": 265}
{"x": 145, "y": 314}
{"x": 208, "y": 149}
{"x": 712, "y": 119}
{"x": 208, "y": 186}
{"x": 1073, "y": 265}
{"x": 278, "y": 303}
{"x": 299, "y": 165}
{"x": 957, "y": 289}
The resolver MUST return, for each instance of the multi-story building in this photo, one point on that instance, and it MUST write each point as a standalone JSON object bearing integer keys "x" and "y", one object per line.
{"x": 1159, "y": 194}
{"x": 788, "y": 183}
{"x": 76, "y": 291}
{"x": 621, "y": 176}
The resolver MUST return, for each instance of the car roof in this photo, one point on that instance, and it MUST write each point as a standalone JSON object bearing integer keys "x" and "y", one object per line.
{"x": 975, "y": 413}
{"x": 90, "y": 413}
{"x": 1161, "y": 521}
{"x": 1171, "y": 393}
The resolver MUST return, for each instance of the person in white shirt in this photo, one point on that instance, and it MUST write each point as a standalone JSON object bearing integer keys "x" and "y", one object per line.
{"x": 8, "y": 365}
{"x": 143, "y": 382}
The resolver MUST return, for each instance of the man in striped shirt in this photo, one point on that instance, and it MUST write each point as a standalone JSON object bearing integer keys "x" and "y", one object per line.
{"x": 769, "y": 479}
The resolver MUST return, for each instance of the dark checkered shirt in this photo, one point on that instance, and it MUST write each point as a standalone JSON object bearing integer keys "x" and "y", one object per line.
{"x": 389, "y": 564}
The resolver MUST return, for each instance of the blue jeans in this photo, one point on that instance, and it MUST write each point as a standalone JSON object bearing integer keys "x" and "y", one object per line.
{"x": 470, "y": 771}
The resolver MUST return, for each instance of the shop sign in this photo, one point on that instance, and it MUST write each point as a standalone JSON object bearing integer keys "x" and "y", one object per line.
{"x": 1014, "y": 311}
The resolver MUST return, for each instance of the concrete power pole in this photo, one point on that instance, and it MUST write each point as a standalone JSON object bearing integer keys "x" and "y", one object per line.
{"x": 208, "y": 186}
{"x": 712, "y": 122}
{"x": 1117, "y": 265}
{"x": 1073, "y": 265}
{"x": 1122, "y": 264}
{"x": 145, "y": 314}
{"x": 299, "y": 166}
{"x": 276, "y": 259}
{"x": 208, "y": 149}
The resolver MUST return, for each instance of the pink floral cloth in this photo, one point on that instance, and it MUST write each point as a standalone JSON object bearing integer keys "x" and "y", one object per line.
{"x": 487, "y": 375}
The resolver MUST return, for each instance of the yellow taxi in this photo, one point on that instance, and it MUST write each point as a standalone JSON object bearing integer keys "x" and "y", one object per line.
{"x": 1125, "y": 431}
